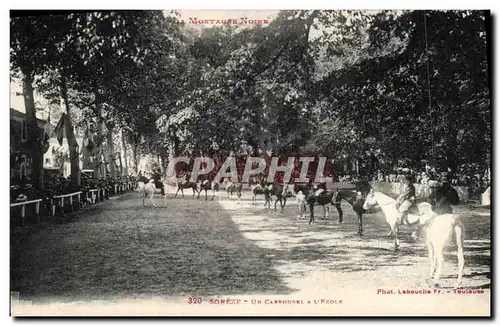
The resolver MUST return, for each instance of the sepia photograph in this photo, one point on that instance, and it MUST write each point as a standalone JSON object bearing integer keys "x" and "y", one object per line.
{"x": 250, "y": 163}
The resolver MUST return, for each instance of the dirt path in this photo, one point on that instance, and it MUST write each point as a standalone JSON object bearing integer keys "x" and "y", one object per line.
{"x": 326, "y": 258}
{"x": 119, "y": 256}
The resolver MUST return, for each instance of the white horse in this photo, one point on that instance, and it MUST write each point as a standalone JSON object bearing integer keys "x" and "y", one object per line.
{"x": 231, "y": 188}
{"x": 148, "y": 190}
{"x": 438, "y": 229}
{"x": 392, "y": 215}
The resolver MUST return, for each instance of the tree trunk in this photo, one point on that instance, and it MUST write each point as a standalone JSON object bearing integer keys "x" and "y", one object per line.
{"x": 121, "y": 165}
{"x": 111, "y": 149}
{"x": 99, "y": 170}
{"x": 451, "y": 154}
{"x": 134, "y": 154}
{"x": 74, "y": 154}
{"x": 34, "y": 139}
{"x": 124, "y": 153}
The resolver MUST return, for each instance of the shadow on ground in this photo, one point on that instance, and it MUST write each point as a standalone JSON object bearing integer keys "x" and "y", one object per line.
{"x": 122, "y": 250}
{"x": 299, "y": 249}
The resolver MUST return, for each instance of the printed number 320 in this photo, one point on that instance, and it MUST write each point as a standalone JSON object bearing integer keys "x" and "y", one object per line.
{"x": 194, "y": 300}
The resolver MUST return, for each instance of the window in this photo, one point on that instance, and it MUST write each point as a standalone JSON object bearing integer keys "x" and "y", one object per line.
{"x": 24, "y": 130}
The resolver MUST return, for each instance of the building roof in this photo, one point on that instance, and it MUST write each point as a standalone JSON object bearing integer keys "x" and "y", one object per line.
{"x": 18, "y": 114}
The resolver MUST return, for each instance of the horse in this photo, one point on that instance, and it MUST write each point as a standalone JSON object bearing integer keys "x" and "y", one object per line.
{"x": 233, "y": 187}
{"x": 258, "y": 188}
{"x": 275, "y": 189}
{"x": 148, "y": 190}
{"x": 437, "y": 229}
{"x": 355, "y": 199}
{"x": 392, "y": 215}
{"x": 209, "y": 185}
{"x": 186, "y": 185}
{"x": 321, "y": 197}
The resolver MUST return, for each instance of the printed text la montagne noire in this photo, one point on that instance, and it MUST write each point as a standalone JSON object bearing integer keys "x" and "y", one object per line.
{"x": 229, "y": 21}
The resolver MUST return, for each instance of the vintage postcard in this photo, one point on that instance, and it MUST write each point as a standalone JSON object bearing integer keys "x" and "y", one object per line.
{"x": 250, "y": 163}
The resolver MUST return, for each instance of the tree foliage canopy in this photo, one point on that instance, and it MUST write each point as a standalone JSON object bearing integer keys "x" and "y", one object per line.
{"x": 412, "y": 84}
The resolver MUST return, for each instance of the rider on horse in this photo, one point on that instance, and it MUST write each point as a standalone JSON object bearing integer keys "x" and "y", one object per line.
{"x": 158, "y": 182}
{"x": 407, "y": 198}
{"x": 444, "y": 196}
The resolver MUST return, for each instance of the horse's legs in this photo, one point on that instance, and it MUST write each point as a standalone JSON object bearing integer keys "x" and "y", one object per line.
{"x": 182, "y": 192}
{"x": 432, "y": 264}
{"x": 341, "y": 213}
{"x": 143, "y": 198}
{"x": 239, "y": 196}
{"x": 459, "y": 235}
{"x": 178, "y": 188}
{"x": 327, "y": 212}
{"x": 199, "y": 195}
{"x": 360, "y": 223}
{"x": 194, "y": 191}
{"x": 151, "y": 199}
{"x": 395, "y": 231}
{"x": 391, "y": 232}
{"x": 439, "y": 262}
{"x": 311, "y": 214}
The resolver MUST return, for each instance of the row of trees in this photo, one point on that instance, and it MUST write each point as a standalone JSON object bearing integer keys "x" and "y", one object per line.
{"x": 412, "y": 85}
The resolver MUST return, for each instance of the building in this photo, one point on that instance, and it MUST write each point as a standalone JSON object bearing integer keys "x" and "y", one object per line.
{"x": 21, "y": 163}
{"x": 52, "y": 158}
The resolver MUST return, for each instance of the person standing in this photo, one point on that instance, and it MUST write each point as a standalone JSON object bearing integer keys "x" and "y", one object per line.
{"x": 444, "y": 196}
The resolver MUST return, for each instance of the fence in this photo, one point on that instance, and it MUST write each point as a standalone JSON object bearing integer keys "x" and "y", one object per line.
{"x": 60, "y": 203}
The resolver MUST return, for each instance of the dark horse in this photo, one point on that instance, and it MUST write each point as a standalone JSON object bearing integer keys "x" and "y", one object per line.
{"x": 356, "y": 200}
{"x": 279, "y": 191}
{"x": 258, "y": 187}
{"x": 208, "y": 185}
{"x": 186, "y": 185}
{"x": 323, "y": 197}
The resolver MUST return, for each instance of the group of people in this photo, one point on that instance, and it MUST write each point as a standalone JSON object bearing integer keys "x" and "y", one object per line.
{"x": 442, "y": 196}
{"x": 156, "y": 176}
